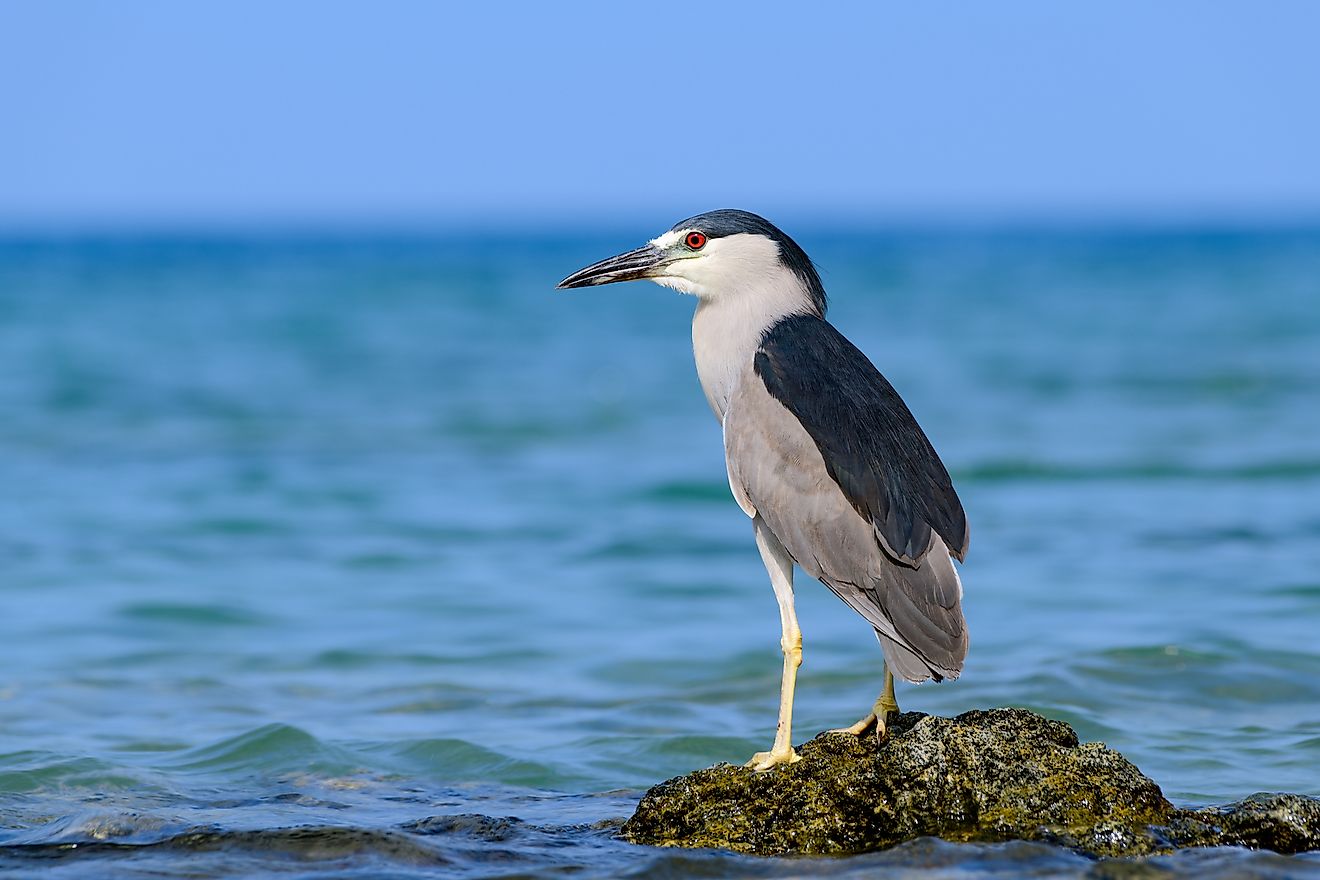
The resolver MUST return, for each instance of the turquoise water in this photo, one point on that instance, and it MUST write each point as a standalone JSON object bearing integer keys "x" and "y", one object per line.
{"x": 378, "y": 557}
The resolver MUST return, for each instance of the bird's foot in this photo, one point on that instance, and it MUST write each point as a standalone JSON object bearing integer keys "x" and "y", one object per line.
{"x": 862, "y": 726}
{"x": 763, "y": 761}
{"x": 875, "y": 718}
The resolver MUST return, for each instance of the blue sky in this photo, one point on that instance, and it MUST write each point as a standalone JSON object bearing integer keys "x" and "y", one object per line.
{"x": 411, "y": 112}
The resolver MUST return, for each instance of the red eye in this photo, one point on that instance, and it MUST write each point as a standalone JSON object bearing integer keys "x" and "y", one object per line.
{"x": 695, "y": 240}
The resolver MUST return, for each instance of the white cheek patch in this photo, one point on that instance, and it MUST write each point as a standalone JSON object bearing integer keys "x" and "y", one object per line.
{"x": 736, "y": 262}
{"x": 726, "y": 266}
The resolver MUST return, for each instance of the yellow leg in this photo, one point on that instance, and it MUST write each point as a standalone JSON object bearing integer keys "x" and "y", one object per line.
{"x": 879, "y": 712}
{"x": 780, "y": 566}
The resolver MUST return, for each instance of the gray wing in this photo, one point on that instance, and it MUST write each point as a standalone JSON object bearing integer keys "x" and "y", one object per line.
{"x": 776, "y": 470}
{"x": 871, "y": 443}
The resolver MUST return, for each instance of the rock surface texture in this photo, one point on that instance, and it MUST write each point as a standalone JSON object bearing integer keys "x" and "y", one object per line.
{"x": 1002, "y": 774}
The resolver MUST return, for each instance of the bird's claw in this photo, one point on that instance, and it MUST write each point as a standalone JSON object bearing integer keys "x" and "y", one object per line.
{"x": 763, "y": 761}
{"x": 856, "y": 729}
{"x": 875, "y": 718}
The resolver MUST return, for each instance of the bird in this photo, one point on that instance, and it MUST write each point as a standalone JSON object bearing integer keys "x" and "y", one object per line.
{"x": 822, "y": 454}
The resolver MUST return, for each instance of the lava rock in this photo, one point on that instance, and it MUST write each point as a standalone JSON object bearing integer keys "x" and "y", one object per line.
{"x": 1002, "y": 774}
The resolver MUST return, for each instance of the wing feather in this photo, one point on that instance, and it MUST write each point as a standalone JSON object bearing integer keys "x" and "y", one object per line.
{"x": 779, "y": 469}
{"x": 871, "y": 444}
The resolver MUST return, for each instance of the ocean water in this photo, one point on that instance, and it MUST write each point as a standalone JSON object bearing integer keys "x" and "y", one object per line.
{"x": 376, "y": 556}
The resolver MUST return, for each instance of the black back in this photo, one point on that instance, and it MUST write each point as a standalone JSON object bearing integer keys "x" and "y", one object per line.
{"x": 872, "y": 445}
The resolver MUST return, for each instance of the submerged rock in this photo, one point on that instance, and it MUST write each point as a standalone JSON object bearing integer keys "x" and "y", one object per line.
{"x": 1285, "y": 823}
{"x": 995, "y": 775}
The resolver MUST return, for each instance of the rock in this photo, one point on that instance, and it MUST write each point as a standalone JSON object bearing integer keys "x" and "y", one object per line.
{"x": 995, "y": 775}
{"x": 1285, "y": 823}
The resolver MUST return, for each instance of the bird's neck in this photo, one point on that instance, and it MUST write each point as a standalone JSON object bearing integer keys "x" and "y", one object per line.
{"x": 728, "y": 329}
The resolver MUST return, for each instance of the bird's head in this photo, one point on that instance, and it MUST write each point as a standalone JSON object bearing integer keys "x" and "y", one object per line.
{"x": 715, "y": 255}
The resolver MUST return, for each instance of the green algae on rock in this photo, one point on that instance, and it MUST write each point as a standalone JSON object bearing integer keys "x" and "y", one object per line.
{"x": 992, "y": 775}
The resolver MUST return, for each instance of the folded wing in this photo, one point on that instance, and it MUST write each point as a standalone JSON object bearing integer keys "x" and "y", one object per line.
{"x": 820, "y": 445}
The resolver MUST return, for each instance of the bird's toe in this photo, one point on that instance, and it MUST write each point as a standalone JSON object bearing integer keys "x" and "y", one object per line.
{"x": 873, "y": 721}
{"x": 857, "y": 729}
{"x": 763, "y": 761}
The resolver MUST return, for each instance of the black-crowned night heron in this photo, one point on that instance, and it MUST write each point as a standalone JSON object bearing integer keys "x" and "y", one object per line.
{"x": 822, "y": 453}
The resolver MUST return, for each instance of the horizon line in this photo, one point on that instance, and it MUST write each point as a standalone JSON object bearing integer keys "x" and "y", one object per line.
{"x": 490, "y": 224}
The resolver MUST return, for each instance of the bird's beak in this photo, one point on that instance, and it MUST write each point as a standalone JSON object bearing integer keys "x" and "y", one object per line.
{"x": 641, "y": 263}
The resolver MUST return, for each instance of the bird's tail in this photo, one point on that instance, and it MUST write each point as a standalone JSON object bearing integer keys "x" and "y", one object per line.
{"x": 925, "y": 607}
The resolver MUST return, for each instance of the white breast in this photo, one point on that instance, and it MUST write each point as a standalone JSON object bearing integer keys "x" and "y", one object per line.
{"x": 725, "y": 336}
